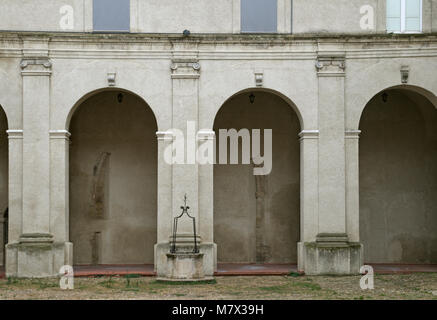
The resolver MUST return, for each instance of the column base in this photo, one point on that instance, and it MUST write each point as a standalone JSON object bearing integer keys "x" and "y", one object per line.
{"x": 162, "y": 263}
{"x": 37, "y": 256}
{"x": 330, "y": 254}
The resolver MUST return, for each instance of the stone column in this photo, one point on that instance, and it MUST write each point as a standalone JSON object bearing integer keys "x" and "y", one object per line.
{"x": 165, "y": 139}
{"x": 309, "y": 140}
{"x": 352, "y": 185}
{"x": 37, "y": 253}
{"x": 332, "y": 252}
{"x": 59, "y": 197}
{"x": 206, "y": 141}
{"x": 185, "y": 73}
{"x": 15, "y": 209}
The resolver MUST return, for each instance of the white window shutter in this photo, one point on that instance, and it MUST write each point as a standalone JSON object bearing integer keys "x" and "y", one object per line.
{"x": 394, "y": 15}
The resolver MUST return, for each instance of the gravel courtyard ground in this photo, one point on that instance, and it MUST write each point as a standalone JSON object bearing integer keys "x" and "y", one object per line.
{"x": 410, "y": 286}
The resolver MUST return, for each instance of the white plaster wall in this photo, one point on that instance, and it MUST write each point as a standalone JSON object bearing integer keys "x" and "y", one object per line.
{"x": 338, "y": 16}
{"x": 198, "y": 16}
{"x": 41, "y": 15}
{"x": 205, "y": 16}
{"x": 127, "y": 131}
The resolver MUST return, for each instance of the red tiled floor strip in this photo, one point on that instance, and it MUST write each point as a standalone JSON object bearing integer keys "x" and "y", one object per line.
{"x": 234, "y": 269}
{"x": 382, "y": 268}
{"x": 146, "y": 270}
{"x": 230, "y": 269}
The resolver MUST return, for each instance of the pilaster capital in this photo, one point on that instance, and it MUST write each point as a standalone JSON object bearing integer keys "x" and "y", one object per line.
{"x": 205, "y": 135}
{"x": 185, "y": 68}
{"x": 352, "y": 134}
{"x": 331, "y": 65}
{"x": 15, "y": 134}
{"x": 309, "y": 134}
{"x": 36, "y": 66}
{"x": 60, "y": 134}
{"x": 165, "y": 135}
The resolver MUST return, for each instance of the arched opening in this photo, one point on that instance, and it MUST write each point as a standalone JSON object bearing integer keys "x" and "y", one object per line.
{"x": 256, "y": 218}
{"x": 398, "y": 178}
{"x": 113, "y": 180}
{"x": 4, "y": 180}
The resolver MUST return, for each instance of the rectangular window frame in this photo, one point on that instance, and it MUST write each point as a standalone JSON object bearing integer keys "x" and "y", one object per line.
{"x": 274, "y": 31}
{"x": 96, "y": 30}
{"x": 404, "y": 19}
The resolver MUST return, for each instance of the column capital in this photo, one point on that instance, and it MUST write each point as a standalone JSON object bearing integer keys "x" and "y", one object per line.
{"x": 205, "y": 135}
{"x": 309, "y": 134}
{"x": 39, "y": 66}
{"x": 165, "y": 135}
{"x": 15, "y": 134}
{"x": 185, "y": 68}
{"x": 59, "y": 134}
{"x": 331, "y": 64}
{"x": 352, "y": 134}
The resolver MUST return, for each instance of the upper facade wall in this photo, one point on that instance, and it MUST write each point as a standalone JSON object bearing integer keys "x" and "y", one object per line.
{"x": 205, "y": 16}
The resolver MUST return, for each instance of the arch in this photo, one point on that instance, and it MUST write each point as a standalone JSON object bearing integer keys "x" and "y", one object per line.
{"x": 113, "y": 179}
{"x": 397, "y": 163}
{"x": 257, "y": 218}
{"x": 6, "y": 115}
{"x": 268, "y": 90}
{"x": 97, "y": 91}
{"x": 354, "y": 125}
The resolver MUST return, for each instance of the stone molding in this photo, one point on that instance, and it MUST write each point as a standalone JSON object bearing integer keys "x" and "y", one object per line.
{"x": 259, "y": 78}
{"x": 205, "y": 135}
{"x": 36, "y": 66}
{"x": 60, "y": 134}
{"x": 405, "y": 74}
{"x": 165, "y": 136}
{"x": 185, "y": 69}
{"x": 331, "y": 65}
{"x": 111, "y": 79}
{"x": 352, "y": 134}
{"x": 15, "y": 134}
{"x": 36, "y": 238}
{"x": 309, "y": 134}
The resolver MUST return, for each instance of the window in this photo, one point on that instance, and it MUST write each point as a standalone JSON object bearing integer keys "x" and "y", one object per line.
{"x": 259, "y": 16}
{"x": 404, "y": 16}
{"x": 111, "y": 15}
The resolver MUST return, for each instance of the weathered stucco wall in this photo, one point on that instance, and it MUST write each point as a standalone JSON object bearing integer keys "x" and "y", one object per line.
{"x": 3, "y": 180}
{"x": 203, "y": 16}
{"x": 398, "y": 179}
{"x": 256, "y": 218}
{"x": 43, "y": 15}
{"x": 113, "y": 178}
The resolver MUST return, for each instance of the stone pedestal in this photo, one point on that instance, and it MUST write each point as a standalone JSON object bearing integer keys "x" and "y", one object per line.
{"x": 37, "y": 256}
{"x": 330, "y": 254}
{"x": 185, "y": 267}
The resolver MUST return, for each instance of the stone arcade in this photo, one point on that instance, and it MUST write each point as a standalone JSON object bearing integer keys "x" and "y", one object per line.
{"x": 86, "y": 117}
